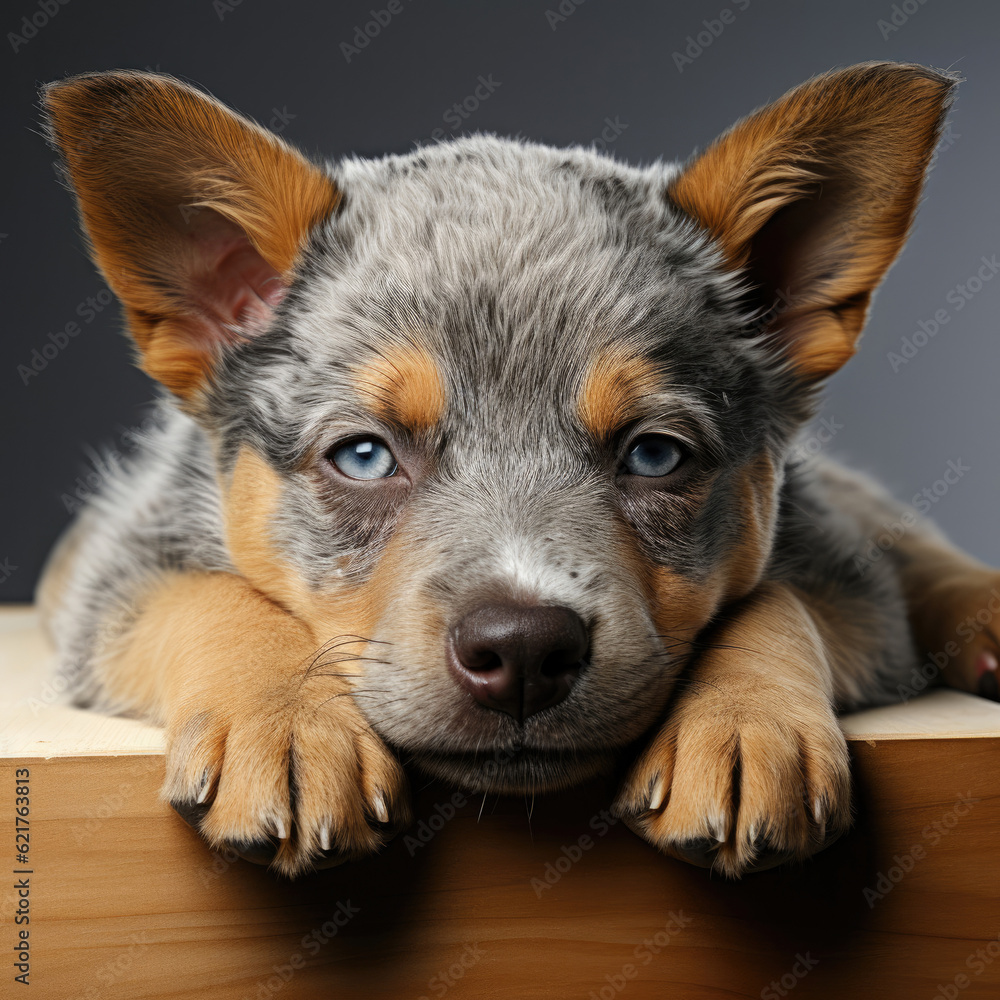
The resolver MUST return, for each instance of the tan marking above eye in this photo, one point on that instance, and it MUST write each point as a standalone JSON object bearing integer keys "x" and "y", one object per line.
{"x": 403, "y": 384}
{"x": 613, "y": 386}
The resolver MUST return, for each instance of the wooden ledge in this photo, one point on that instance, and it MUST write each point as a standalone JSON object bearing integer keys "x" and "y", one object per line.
{"x": 125, "y": 901}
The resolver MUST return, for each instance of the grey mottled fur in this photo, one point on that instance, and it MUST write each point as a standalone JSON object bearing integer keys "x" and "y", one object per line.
{"x": 514, "y": 263}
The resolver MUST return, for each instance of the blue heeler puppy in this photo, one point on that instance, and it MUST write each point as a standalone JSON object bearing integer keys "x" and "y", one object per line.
{"x": 484, "y": 458}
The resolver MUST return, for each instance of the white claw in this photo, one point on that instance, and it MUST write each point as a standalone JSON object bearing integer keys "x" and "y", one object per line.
{"x": 206, "y": 787}
{"x": 280, "y": 828}
{"x": 820, "y": 818}
{"x": 381, "y": 812}
{"x": 324, "y": 837}
{"x": 717, "y": 828}
{"x": 656, "y": 799}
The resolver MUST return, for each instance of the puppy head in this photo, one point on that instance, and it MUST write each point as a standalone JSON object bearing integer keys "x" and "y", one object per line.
{"x": 505, "y": 424}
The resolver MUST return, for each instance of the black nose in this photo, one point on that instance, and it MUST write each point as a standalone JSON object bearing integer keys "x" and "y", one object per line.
{"x": 518, "y": 659}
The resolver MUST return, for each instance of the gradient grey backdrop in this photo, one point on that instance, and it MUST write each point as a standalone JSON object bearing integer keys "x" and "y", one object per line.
{"x": 558, "y": 81}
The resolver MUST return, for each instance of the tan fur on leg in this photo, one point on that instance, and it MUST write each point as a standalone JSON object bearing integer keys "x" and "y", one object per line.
{"x": 252, "y": 712}
{"x": 751, "y": 759}
{"x": 952, "y": 599}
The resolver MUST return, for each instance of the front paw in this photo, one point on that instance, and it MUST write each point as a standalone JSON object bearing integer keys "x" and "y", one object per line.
{"x": 284, "y": 782}
{"x": 741, "y": 787}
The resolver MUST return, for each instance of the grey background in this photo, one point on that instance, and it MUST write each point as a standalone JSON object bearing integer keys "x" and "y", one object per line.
{"x": 558, "y": 83}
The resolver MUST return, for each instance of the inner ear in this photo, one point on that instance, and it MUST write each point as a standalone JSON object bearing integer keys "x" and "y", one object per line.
{"x": 232, "y": 286}
{"x": 802, "y": 247}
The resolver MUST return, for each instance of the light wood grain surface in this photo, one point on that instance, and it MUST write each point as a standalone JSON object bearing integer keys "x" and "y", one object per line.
{"x": 127, "y": 902}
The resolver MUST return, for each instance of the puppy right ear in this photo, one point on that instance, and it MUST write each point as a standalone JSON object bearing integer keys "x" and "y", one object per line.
{"x": 194, "y": 214}
{"x": 812, "y": 197}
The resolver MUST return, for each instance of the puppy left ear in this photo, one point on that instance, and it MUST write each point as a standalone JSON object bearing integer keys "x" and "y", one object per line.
{"x": 195, "y": 214}
{"x": 813, "y": 196}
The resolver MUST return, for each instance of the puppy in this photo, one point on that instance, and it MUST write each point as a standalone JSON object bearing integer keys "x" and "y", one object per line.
{"x": 479, "y": 458}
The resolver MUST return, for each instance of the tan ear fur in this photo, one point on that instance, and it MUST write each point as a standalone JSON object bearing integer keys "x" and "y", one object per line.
{"x": 814, "y": 196}
{"x": 195, "y": 214}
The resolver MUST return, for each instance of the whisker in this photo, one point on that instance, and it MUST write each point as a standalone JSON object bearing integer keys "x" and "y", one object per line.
{"x": 340, "y": 694}
{"x": 352, "y": 659}
{"x": 339, "y": 641}
{"x": 354, "y": 637}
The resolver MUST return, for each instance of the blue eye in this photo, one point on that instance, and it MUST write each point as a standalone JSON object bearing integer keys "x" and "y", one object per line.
{"x": 653, "y": 455}
{"x": 364, "y": 458}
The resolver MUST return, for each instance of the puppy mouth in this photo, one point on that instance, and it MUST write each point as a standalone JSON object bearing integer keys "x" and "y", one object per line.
{"x": 547, "y": 752}
{"x": 514, "y": 769}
